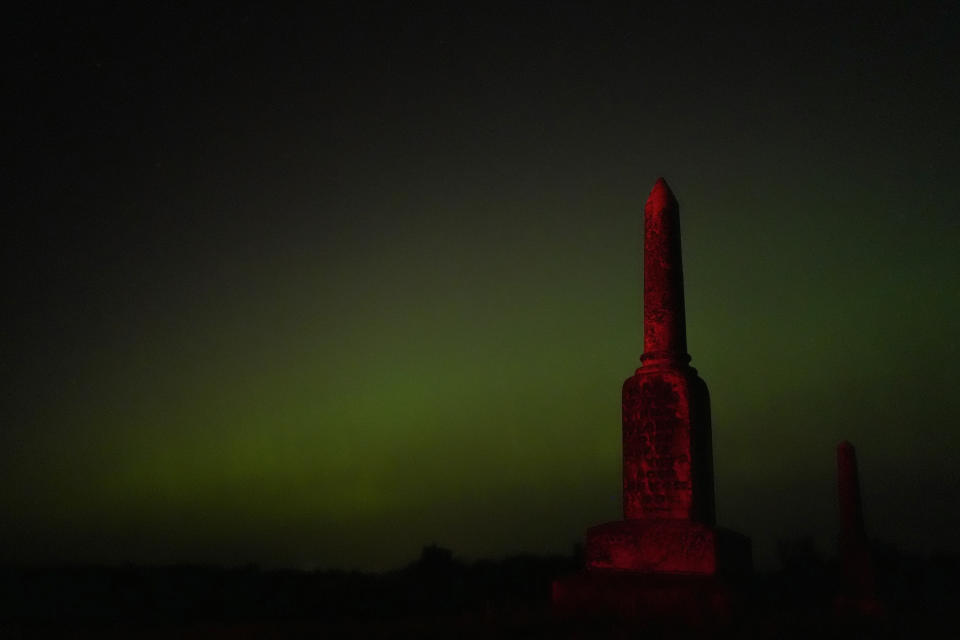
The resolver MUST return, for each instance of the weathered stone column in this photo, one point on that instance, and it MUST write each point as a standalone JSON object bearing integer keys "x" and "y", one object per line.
{"x": 664, "y": 321}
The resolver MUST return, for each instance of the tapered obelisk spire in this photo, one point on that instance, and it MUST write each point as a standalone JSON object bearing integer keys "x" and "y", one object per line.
{"x": 664, "y": 324}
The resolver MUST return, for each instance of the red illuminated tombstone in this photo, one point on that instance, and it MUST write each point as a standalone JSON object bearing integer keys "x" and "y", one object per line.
{"x": 666, "y": 556}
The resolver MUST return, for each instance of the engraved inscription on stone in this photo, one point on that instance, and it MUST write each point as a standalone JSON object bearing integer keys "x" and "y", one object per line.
{"x": 657, "y": 452}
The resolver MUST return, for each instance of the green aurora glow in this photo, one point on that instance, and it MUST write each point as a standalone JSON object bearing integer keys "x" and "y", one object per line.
{"x": 324, "y": 336}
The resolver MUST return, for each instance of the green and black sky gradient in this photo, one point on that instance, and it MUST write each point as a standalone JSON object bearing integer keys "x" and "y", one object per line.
{"x": 318, "y": 286}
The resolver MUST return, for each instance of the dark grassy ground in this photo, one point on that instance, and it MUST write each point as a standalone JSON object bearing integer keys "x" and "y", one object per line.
{"x": 439, "y": 597}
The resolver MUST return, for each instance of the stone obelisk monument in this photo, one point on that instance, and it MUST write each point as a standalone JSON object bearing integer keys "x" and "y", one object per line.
{"x": 666, "y": 556}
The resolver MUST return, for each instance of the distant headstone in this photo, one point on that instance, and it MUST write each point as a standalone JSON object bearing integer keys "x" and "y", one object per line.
{"x": 665, "y": 557}
{"x": 858, "y": 593}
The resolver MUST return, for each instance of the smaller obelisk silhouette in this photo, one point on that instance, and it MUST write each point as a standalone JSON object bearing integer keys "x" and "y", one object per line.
{"x": 858, "y": 587}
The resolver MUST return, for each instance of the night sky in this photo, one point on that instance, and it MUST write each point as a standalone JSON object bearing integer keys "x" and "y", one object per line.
{"x": 318, "y": 287}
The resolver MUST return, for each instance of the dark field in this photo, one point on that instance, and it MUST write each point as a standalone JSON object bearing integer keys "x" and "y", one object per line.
{"x": 438, "y": 597}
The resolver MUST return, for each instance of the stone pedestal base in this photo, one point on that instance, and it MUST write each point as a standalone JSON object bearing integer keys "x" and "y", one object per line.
{"x": 671, "y": 571}
{"x": 668, "y": 546}
{"x": 689, "y": 601}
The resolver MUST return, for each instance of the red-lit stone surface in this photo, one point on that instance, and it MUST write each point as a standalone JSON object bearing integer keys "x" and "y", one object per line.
{"x": 667, "y": 453}
{"x": 666, "y": 546}
{"x": 664, "y": 323}
{"x": 665, "y": 558}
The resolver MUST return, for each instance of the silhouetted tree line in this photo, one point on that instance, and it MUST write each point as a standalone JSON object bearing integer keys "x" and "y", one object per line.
{"x": 436, "y": 584}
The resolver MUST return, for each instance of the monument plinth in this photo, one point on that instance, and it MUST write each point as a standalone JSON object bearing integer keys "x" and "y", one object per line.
{"x": 666, "y": 556}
